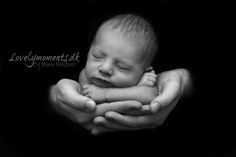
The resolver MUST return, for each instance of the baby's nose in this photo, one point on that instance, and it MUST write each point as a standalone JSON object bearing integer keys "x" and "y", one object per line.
{"x": 106, "y": 69}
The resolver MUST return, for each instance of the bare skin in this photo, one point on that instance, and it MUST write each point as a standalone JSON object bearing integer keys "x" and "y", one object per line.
{"x": 144, "y": 92}
{"x": 121, "y": 115}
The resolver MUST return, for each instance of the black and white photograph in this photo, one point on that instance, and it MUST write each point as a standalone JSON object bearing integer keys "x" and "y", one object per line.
{"x": 118, "y": 78}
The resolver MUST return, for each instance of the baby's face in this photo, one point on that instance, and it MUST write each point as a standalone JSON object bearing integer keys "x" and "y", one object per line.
{"x": 114, "y": 61}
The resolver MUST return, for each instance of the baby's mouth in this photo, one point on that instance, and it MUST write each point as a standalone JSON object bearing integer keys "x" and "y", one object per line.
{"x": 101, "y": 83}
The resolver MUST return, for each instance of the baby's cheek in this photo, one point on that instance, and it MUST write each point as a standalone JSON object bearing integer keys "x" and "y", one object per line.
{"x": 127, "y": 80}
{"x": 89, "y": 71}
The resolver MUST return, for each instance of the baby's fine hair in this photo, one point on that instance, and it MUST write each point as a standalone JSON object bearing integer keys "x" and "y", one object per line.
{"x": 133, "y": 27}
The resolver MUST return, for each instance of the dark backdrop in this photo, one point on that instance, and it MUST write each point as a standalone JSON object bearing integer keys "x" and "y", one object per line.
{"x": 197, "y": 35}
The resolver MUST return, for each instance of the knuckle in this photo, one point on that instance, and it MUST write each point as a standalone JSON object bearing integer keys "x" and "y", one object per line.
{"x": 154, "y": 76}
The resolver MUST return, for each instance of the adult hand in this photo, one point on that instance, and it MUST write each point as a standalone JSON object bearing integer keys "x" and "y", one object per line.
{"x": 173, "y": 84}
{"x": 66, "y": 99}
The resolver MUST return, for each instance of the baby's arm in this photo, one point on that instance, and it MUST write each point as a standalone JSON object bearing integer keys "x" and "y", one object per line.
{"x": 144, "y": 92}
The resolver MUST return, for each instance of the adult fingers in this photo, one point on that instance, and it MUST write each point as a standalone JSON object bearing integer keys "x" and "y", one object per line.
{"x": 101, "y": 121}
{"x": 76, "y": 115}
{"x": 119, "y": 106}
{"x": 145, "y": 109}
{"x": 139, "y": 122}
{"x": 69, "y": 93}
{"x": 169, "y": 94}
{"x": 77, "y": 101}
{"x": 136, "y": 122}
{"x": 97, "y": 130}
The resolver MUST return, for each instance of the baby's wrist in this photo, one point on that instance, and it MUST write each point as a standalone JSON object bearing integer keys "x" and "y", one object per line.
{"x": 106, "y": 94}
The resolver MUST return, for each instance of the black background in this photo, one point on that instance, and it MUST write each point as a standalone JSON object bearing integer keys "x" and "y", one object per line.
{"x": 197, "y": 35}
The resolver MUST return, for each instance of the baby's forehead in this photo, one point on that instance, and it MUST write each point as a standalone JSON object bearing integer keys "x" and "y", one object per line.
{"x": 127, "y": 37}
{"x": 137, "y": 40}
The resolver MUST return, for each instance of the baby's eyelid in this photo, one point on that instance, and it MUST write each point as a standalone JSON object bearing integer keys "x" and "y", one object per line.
{"x": 96, "y": 55}
{"x": 124, "y": 67}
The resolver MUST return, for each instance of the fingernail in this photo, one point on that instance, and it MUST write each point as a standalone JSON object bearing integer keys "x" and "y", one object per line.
{"x": 154, "y": 107}
{"x": 108, "y": 115}
{"x": 90, "y": 105}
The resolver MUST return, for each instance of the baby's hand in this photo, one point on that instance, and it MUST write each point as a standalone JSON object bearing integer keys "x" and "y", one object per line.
{"x": 148, "y": 79}
{"x": 94, "y": 92}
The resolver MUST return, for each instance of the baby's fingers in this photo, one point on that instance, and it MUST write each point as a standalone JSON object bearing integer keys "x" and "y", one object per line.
{"x": 149, "y": 83}
{"x": 153, "y": 75}
{"x": 153, "y": 79}
{"x": 85, "y": 86}
{"x": 85, "y": 92}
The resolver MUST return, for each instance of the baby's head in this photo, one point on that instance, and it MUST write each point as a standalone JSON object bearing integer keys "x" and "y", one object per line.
{"x": 121, "y": 52}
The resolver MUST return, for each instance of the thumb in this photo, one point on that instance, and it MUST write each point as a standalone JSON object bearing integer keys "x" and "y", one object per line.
{"x": 69, "y": 94}
{"x": 169, "y": 94}
{"x": 84, "y": 104}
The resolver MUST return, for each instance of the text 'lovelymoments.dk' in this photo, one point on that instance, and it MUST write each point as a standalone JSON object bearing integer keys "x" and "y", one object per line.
{"x": 36, "y": 61}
